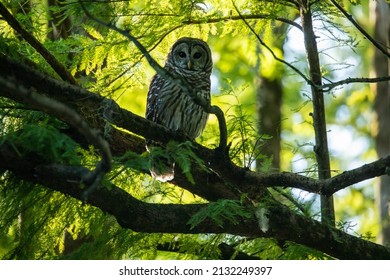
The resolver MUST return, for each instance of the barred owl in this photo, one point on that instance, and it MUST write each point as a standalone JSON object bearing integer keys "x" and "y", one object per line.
{"x": 169, "y": 105}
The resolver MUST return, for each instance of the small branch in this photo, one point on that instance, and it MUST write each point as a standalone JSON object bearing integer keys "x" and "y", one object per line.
{"x": 270, "y": 50}
{"x": 330, "y": 86}
{"x": 321, "y": 186}
{"x": 361, "y": 29}
{"x": 54, "y": 63}
{"x": 368, "y": 171}
{"x": 168, "y": 76}
{"x": 246, "y": 17}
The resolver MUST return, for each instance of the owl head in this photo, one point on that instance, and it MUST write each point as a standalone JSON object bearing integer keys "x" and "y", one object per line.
{"x": 190, "y": 55}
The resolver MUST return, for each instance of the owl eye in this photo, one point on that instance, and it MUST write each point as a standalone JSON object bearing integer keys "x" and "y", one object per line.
{"x": 182, "y": 54}
{"x": 197, "y": 55}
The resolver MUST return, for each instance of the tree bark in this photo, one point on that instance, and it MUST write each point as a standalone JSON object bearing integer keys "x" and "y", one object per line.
{"x": 269, "y": 102}
{"x": 173, "y": 218}
{"x": 382, "y": 109}
{"x": 319, "y": 121}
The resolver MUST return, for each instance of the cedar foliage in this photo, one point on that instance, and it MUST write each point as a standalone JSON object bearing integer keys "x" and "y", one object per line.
{"x": 48, "y": 210}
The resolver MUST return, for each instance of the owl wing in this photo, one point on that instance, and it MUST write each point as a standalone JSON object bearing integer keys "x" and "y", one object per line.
{"x": 161, "y": 169}
{"x": 152, "y": 103}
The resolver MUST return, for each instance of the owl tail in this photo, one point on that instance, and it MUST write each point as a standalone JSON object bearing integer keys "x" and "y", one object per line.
{"x": 161, "y": 166}
{"x": 162, "y": 170}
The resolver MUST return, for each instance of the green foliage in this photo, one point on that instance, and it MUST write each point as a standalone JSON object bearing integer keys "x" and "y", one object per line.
{"x": 133, "y": 160}
{"x": 181, "y": 154}
{"x": 184, "y": 156}
{"x": 45, "y": 141}
{"x": 221, "y": 212}
{"x": 34, "y": 221}
{"x": 271, "y": 249}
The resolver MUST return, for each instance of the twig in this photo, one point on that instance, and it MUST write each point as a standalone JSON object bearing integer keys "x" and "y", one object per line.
{"x": 328, "y": 86}
{"x": 258, "y": 16}
{"x": 361, "y": 29}
{"x": 270, "y": 50}
{"x": 54, "y": 63}
{"x": 168, "y": 76}
{"x": 332, "y": 85}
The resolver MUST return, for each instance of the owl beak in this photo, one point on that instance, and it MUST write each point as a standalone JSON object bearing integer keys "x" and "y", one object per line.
{"x": 189, "y": 64}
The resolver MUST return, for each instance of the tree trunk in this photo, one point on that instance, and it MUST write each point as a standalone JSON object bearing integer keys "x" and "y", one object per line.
{"x": 319, "y": 121}
{"x": 382, "y": 109}
{"x": 269, "y": 102}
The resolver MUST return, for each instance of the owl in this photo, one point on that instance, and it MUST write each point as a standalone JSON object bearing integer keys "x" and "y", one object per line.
{"x": 170, "y": 105}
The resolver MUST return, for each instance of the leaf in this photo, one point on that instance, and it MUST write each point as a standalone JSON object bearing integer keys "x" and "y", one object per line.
{"x": 221, "y": 212}
{"x": 185, "y": 158}
{"x": 46, "y": 141}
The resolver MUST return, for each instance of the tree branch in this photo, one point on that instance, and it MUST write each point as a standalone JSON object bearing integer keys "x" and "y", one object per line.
{"x": 173, "y": 218}
{"x": 57, "y": 109}
{"x": 307, "y": 80}
{"x": 332, "y": 85}
{"x": 212, "y": 186}
{"x": 53, "y": 62}
{"x": 322, "y": 186}
{"x": 319, "y": 117}
{"x": 380, "y": 47}
{"x": 368, "y": 171}
{"x": 240, "y": 17}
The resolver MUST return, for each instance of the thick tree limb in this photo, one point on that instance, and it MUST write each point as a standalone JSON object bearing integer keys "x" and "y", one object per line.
{"x": 172, "y": 218}
{"x": 227, "y": 180}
